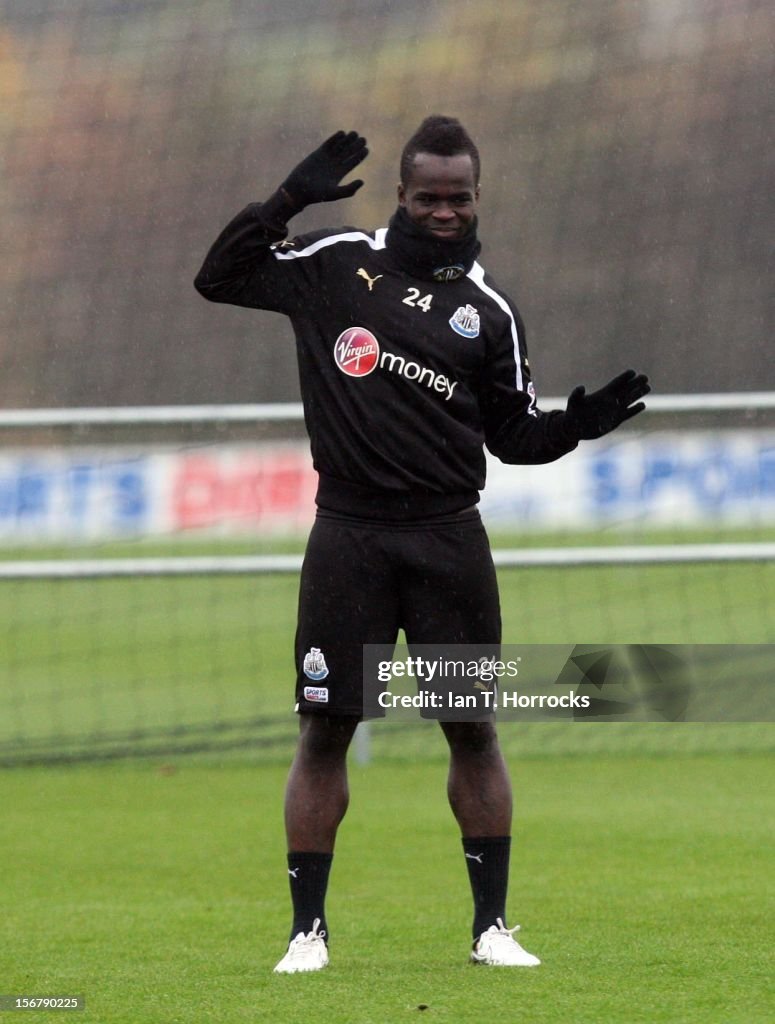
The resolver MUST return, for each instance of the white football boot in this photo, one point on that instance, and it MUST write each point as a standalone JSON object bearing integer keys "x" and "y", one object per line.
{"x": 497, "y": 947}
{"x": 305, "y": 952}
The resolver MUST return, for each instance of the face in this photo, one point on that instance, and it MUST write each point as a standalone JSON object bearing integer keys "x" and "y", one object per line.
{"x": 441, "y": 194}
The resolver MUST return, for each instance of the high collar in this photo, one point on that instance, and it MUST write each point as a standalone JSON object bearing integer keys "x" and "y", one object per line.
{"x": 421, "y": 254}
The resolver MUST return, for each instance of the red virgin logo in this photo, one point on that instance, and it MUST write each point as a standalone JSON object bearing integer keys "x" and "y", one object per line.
{"x": 356, "y": 352}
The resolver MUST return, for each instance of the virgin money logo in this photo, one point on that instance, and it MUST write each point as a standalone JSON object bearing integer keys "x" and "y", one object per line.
{"x": 356, "y": 352}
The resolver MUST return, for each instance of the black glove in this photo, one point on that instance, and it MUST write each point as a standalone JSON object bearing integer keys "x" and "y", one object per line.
{"x": 588, "y": 416}
{"x": 317, "y": 177}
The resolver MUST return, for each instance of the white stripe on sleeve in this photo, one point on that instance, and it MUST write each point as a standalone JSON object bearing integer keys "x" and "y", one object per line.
{"x": 476, "y": 274}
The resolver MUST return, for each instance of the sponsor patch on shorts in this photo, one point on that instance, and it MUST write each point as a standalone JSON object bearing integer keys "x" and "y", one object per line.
{"x": 316, "y": 694}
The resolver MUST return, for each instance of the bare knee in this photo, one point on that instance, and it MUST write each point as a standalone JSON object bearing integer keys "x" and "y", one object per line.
{"x": 324, "y": 738}
{"x": 471, "y": 739}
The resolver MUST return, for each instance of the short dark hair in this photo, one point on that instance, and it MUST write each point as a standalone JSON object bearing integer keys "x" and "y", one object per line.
{"x": 442, "y": 136}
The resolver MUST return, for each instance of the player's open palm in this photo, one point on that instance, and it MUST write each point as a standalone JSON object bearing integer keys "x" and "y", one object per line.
{"x": 316, "y": 179}
{"x": 593, "y": 415}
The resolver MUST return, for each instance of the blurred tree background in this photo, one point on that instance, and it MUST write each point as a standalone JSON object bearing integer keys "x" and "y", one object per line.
{"x": 627, "y": 180}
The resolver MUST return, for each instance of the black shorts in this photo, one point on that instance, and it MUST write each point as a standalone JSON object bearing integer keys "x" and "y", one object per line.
{"x": 362, "y": 582}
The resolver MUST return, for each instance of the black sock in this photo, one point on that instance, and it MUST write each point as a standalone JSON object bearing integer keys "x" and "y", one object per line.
{"x": 487, "y": 860}
{"x": 308, "y": 877}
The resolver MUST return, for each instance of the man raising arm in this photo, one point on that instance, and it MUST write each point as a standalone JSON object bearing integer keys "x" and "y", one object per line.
{"x": 411, "y": 361}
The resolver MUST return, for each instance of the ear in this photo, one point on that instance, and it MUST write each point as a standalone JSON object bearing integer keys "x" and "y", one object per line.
{"x": 401, "y": 191}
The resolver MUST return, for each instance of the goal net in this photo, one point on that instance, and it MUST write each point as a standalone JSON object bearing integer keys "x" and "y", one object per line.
{"x": 150, "y": 559}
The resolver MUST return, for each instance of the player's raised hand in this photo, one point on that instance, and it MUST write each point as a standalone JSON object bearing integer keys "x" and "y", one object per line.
{"x": 589, "y": 416}
{"x": 317, "y": 177}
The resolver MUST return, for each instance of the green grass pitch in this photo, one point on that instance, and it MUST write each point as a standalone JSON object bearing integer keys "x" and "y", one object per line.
{"x": 159, "y": 893}
{"x": 157, "y": 889}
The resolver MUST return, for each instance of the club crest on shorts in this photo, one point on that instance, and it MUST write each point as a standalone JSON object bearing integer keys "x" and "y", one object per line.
{"x": 315, "y": 667}
{"x": 465, "y": 321}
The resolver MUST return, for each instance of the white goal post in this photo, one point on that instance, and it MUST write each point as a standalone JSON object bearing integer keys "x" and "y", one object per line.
{"x": 239, "y": 565}
{"x": 146, "y": 415}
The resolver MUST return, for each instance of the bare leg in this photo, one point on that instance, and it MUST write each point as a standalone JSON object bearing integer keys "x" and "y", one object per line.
{"x": 480, "y": 796}
{"x": 478, "y": 785}
{"x": 317, "y": 795}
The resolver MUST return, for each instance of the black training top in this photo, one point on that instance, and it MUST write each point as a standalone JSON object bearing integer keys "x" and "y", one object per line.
{"x": 403, "y": 378}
